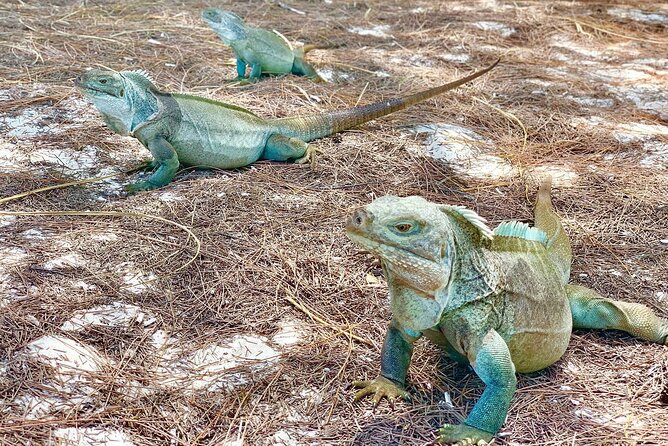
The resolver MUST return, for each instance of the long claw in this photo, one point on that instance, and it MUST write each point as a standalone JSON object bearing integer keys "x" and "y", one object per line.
{"x": 139, "y": 187}
{"x": 146, "y": 165}
{"x": 463, "y": 435}
{"x": 362, "y": 393}
{"x": 309, "y": 156}
{"x": 380, "y": 388}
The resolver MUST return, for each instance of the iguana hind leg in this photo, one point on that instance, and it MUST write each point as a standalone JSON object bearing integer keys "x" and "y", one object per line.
{"x": 591, "y": 310}
{"x": 283, "y": 148}
{"x": 301, "y": 68}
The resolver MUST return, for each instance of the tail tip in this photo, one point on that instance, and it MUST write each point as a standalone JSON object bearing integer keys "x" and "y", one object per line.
{"x": 545, "y": 187}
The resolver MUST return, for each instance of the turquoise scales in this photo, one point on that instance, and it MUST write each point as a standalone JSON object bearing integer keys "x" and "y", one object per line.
{"x": 498, "y": 300}
{"x": 264, "y": 51}
{"x": 194, "y": 131}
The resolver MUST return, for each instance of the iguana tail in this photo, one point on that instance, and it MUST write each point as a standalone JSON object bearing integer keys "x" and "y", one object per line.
{"x": 558, "y": 245}
{"x": 308, "y": 128}
{"x": 311, "y": 47}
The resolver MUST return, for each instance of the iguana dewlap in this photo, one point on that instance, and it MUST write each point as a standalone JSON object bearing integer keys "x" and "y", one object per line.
{"x": 194, "y": 131}
{"x": 498, "y": 300}
{"x": 264, "y": 51}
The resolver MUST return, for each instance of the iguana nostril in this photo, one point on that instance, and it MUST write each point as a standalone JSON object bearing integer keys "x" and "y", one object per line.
{"x": 360, "y": 218}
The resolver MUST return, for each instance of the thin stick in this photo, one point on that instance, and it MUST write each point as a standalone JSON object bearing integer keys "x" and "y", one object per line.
{"x": 61, "y": 186}
{"x": 198, "y": 243}
{"x": 508, "y": 116}
{"x": 313, "y": 315}
{"x": 612, "y": 33}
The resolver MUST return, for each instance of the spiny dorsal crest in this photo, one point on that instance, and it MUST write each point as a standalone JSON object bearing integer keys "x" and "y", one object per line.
{"x": 479, "y": 223}
{"x": 520, "y": 230}
{"x": 138, "y": 75}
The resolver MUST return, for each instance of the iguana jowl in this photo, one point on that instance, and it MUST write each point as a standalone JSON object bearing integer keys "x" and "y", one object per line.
{"x": 497, "y": 300}
{"x": 194, "y": 131}
{"x": 264, "y": 51}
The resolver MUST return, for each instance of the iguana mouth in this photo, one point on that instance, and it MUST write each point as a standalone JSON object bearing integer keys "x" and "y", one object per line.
{"x": 376, "y": 246}
{"x": 414, "y": 270}
{"x": 89, "y": 89}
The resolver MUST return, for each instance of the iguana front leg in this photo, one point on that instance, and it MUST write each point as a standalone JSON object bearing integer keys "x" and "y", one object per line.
{"x": 492, "y": 363}
{"x": 241, "y": 69}
{"x": 394, "y": 360}
{"x": 165, "y": 159}
{"x": 256, "y": 72}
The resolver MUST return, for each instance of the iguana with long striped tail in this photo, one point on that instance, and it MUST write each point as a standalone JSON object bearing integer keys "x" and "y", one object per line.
{"x": 497, "y": 300}
{"x": 181, "y": 129}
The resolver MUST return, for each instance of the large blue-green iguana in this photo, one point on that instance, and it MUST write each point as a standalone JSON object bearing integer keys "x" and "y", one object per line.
{"x": 499, "y": 301}
{"x": 264, "y": 51}
{"x": 194, "y": 131}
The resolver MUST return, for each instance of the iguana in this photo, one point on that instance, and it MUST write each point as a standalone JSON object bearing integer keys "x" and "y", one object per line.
{"x": 264, "y": 51}
{"x": 194, "y": 131}
{"x": 497, "y": 300}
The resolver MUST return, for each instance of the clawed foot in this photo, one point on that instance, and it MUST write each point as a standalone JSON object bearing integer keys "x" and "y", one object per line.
{"x": 379, "y": 388}
{"x": 463, "y": 435}
{"x": 146, "y": 165}
{"x": 245, "y": 80}
{"x": 309, "y": 156}
{"x": 663, "y": 338}
{"x": 140, "y": 186}
{"x": 242, "y": 81}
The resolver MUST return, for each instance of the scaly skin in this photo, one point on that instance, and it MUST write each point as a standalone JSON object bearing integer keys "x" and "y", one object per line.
{"x": 180, "y": 129}
{"x": 262, "y": 50}
{"x": 498, "y": 300}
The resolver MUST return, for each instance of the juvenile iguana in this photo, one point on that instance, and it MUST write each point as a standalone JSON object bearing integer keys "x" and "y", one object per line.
{"x": 194, "y": 131}
{"x": 263, "y": 50}
{"x": 497, "y": 300}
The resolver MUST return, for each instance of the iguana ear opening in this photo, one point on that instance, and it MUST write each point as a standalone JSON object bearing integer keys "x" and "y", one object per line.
{"x": 469, "y": 221}
{"x": 444, "y": 250}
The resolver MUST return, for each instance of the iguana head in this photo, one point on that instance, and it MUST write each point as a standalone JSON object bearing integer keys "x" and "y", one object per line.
{"x": 227, "y": 25}
{"x": 418, "y": 243}
{"x": 124, "y": 98}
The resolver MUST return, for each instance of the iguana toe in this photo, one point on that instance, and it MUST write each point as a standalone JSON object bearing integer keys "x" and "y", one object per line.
{"x": 664, "y": 331}
{"x": 463, "y": 435}
{"x": 380, "y": 388}
{"x": 139, "y": 187}
{"x": 309, "y": 156}
{"x": 146, "y": 165}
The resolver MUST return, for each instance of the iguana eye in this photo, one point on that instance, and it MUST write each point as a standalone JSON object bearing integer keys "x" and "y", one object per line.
{"x": 103, "y": 81}
{"x": 403, "y": 227}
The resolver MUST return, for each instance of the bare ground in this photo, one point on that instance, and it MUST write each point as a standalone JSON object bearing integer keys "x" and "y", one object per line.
{"x": 103, "y": 337}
